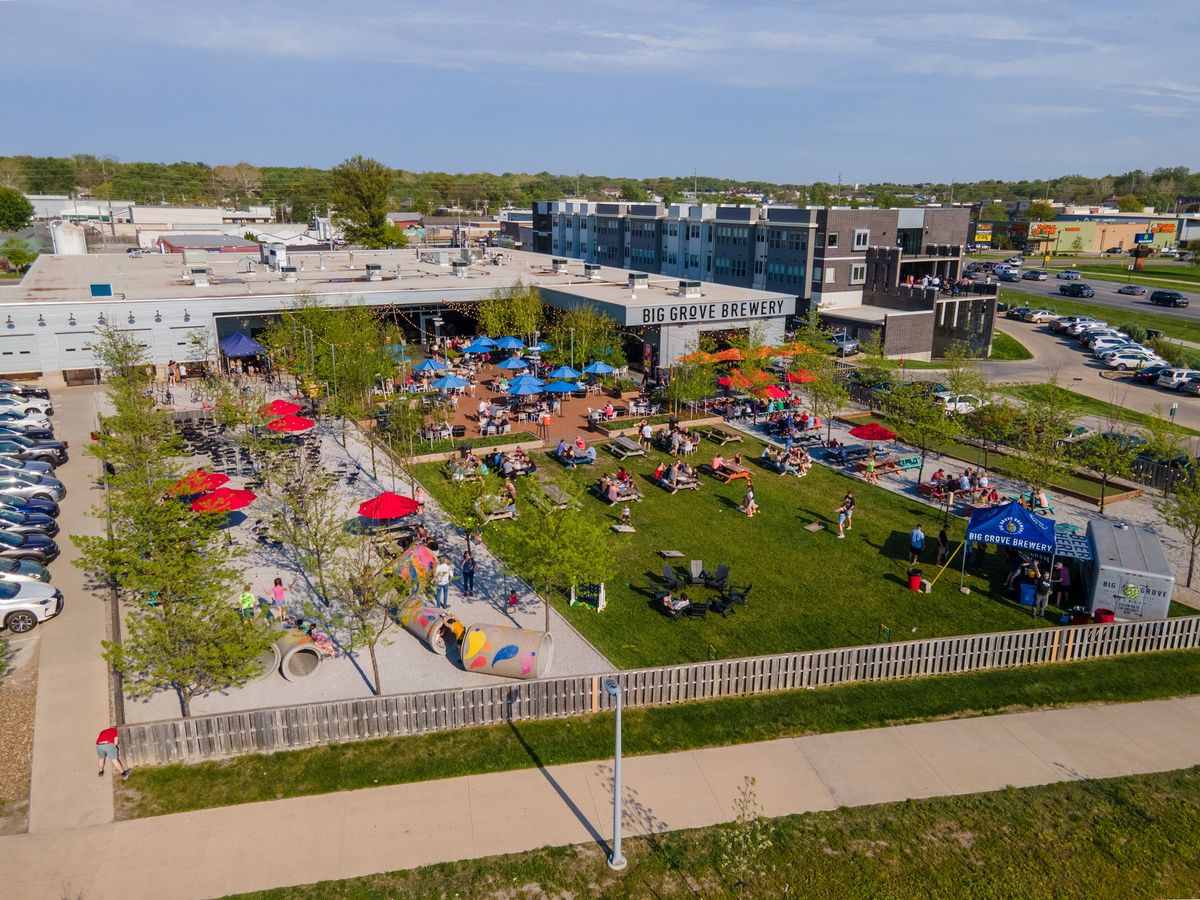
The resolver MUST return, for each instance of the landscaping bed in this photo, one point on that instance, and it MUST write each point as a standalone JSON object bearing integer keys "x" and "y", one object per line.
{"x": 629, "y": 424}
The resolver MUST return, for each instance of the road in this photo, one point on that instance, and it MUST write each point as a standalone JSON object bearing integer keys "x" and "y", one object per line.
{"x": 1106, "y": 295}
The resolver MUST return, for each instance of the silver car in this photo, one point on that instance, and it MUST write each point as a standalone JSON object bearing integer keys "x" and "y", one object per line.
{"x": 25, "y": 604}
{"x": 23, "y": 570}
{"x": 25, "y": 465}
{"x": 29, "y": 486}
{"x": 31, "y": 406}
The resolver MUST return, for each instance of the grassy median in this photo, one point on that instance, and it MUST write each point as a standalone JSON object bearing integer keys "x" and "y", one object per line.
{"x": 1137, "y": 836}
{"x": 364, "y": 764}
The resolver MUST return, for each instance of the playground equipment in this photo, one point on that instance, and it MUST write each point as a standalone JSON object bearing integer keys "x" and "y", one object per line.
{"x": 269, "y": 659}
{"x": 300, "y": 657}
{"x": 507, "y": 651}
{"x": 432, "y": 625}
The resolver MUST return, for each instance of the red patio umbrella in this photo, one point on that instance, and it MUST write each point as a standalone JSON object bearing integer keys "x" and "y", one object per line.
{"x": 197, "y": 482}
{"x": 801, "y": 376}
{"x": 872, "y": 431}
{"x": 279, "y": 408}
{"x": 387, "y": 506}
{"x": 775, "y": 392}
{"x": 224, "y": 500}
{"x": 292, "y": 423}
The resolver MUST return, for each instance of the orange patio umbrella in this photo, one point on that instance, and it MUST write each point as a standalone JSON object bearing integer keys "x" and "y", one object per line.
{"x": 730, "y": 355}
{"x": 801, "y": 376}
{"x": 696, "y": 356}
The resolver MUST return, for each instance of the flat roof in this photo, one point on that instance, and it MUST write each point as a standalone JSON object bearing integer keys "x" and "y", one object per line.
{"x": 60, "y": 279}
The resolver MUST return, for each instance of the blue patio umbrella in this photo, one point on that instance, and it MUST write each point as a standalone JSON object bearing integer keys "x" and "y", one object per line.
{"x": 510, "y": 343}
{"x": 429, "y": 365}
{"x": 563, "y": 372}
{"x": 598, "y": 368}
{"x": 560, "y": 387}
{"x": 524, "y": 389}
{"x": 542, "y": 347}
{"x": 483, "y": 339}
{"x": 448, "y": 382}
{"x": 514, "y": 362}
{"x": 399, "y": 353}
{"x": 528, "y": 379}
{"x": 480, "y": 345}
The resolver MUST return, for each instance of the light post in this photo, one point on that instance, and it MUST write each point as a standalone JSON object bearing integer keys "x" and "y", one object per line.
{"x": 616, "y": 860}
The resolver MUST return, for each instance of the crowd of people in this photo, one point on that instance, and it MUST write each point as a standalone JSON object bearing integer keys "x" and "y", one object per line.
{"x": 970, "y": 485}
{"x": 790, "y": 461}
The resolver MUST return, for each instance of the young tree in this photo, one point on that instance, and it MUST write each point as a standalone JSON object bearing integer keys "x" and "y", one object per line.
{"x": 309, "y": 517}
{"x": 1163, "y": 438}
{"x": 1181, "y": 510}
{"x": 585, "y": 333}
{"x": 360, "y": 194}
{"x": 1041, "y": 211}
{"x": 992, "y": 425}
{"x": 18, "y": 254}
{"x": 1046, "y": 419}
{"x": 919, "y": 419}
{"x": 1109, "y": 456}
{"x": 827, "y": 392}
{"x": 238, "y": 182}
{"x": 961, "y": 374}
{"x": 515, "y": 310}
{"x": 15, "y": 210}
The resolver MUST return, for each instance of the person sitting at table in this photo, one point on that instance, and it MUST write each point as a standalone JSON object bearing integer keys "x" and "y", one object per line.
{"x": 502, "y": 384}
{"x": 675, "y": 605}
{"x": 506, "y": 467}
{"x": 503, "y": 426}
{"x": 718, "y": 463}
{"x": 590, "y": 454}
{"x": 660, "y": 471}
{"x": 938, "y": 477}
{"x": 562, "y": 450}
{"x": 804, "y": 462}
{"x": 804, "y": 420}
{"x": 982, "y": 484}
{"x": 993, "y": 496}
{"x": 613, "y": 493}
{"x": 609, "y": 412}
{"x": 1039, "y": 500}
{"x": 580, "y": 443}
{"x": 623, "y": 475}
{"x": 964, "y": 483}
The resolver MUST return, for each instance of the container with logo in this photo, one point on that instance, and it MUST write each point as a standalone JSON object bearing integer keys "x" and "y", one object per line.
{"x": 1130, "y": 574}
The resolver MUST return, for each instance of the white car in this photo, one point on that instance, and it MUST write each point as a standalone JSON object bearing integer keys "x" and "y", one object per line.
{"x": 28, "y": 405}
{"x": 960, "y": 403}
{"x": 1068, "y": 275}
{"x": 1076, "y": 327}
{"x": 25, "y": 604}
{"x": 1133, "y": 359}
{"x": 23, "y": 570}
{"x": 21, "y": 422}
{"x": 1127, "y": 347}
{"x": 1039, "y": 316}
{"x": 1092, "y": 338}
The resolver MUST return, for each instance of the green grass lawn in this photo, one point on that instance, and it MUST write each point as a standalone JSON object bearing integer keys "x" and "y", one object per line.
{"x": 339, "y": 767}
{"x": 1178, "y": 278}
{"x": 1007, "y": 347}
{"x": 811, "y": 590}
{"x": 1087, "y": 406}
{"x": 1137, "y": 836}
{"x": 1171, "y": 326}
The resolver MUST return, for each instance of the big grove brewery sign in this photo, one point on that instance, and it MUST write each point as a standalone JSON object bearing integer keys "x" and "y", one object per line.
{"x": 701, "y": 311}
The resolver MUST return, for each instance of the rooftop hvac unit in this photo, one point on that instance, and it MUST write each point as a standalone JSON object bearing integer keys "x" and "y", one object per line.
{"x": 198, "y": 276}
{"x": 374, "y": 272}
{"x": 288, "y": 272}
{"x": 689, "y": 289}
{"x": 638, "y": 280}
{"x": 459, "y": 267}
{"x": 559, "y": 266}
{"x": 591, "y": 270}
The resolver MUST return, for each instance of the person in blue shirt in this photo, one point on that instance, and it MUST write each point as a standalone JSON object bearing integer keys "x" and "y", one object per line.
{"x": 916, "y": 539}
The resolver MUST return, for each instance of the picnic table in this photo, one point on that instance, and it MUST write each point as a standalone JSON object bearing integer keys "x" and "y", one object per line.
{"x": 892, "y": 463}
{"x": 571, "y": 459}
{"x": 625, "y": 494}
{"x": 679, "y": 484}
{"x": 622, "y": 447}
{"x": 847, "y": 453}
{"x": 729, "y": 471}
{"x": 720, "y": 436}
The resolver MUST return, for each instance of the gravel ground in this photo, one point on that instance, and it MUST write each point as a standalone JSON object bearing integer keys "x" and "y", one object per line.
{"x": 18, "y": 696}
{"x": 405, "y": 664}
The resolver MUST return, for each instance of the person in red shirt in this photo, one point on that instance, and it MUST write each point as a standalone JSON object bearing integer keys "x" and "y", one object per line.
{"x": 106, "y": 749}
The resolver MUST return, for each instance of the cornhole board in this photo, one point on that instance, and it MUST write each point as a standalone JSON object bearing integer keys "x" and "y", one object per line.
{"x": 624, "y": 529}
{"x": 815, "y": 526}
{"x": 670, "y": 554}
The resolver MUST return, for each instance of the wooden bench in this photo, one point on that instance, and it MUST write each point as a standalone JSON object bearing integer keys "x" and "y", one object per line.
{"x": 550, "y": 498}
{"x": 626, "y": 496}
{"x": 506, "y": 513}
{"x": 681, "y": 484}
{"x": 718, "y": 436}
{"x": 622, "y": 447}
{"x": 571, "y": 460}
{"x": 728, "y": 472}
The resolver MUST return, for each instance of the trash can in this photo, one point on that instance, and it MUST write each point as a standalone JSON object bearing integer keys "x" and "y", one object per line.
{"x": 914, "y": 579}
{"x": 1027, "y": 590}
{"x": 1102, "y": 615}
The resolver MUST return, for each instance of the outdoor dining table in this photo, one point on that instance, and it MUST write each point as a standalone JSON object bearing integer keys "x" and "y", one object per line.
{"x": 848, "y": 453}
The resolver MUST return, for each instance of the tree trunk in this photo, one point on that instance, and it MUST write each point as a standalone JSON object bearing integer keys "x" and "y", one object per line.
{"x": 1191, "y": 564}
{"x": 185, "y": 698}
{"x": 376, "y": 688}
{"x": 921, "y": 471}
{"x": 1103, "y": 491}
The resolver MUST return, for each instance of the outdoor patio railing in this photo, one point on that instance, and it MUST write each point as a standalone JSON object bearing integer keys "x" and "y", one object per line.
{"x": 307, "y": 725}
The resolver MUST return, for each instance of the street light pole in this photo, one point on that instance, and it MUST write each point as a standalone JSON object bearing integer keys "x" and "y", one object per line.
{"x": 616, "y": 861}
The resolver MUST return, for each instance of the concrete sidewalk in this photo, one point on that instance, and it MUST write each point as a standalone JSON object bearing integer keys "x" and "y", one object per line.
{"x": 243, "y": 848}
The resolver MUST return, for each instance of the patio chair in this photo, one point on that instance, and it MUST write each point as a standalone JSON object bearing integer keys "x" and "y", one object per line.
{"x": 723, "y": 606}
{"x": 697, "y": 571}
{"x": 717, "y": 580}
{"x": 734, "y": 594}
{"x": 671, "y": 581}
{"x": 696, "y": 610}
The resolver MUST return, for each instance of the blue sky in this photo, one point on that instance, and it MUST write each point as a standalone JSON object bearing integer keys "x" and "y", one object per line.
{"x": 782, "y": 91}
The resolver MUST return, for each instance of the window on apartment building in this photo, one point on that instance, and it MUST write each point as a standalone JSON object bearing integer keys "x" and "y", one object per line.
{"x": 796, "y": 240}
{"x": 758, "y": 267}
{"x": 693, "y": 231}
{"x": 569, "y": 246}
{"x": 818, "y": 274}
{"x": 858, "y": 273}
{"x": 862, "y": 238}
{"x": 583, "y": 225}
{"x": 831, "y": 241}
{"x": 830, "y": 274}
{"x": 760, "y": 235}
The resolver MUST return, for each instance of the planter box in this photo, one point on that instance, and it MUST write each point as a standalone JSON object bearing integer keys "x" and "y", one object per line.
{"x": 503, "y": 448}
{"x": 629, "y": 425}
{"x": 623, "y": 395}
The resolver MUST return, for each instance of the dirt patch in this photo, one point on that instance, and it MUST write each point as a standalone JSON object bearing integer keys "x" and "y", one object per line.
{"x": 18, "y": 698}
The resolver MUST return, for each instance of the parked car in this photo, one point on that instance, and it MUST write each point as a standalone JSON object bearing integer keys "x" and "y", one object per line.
{"x": 1096, "y": 335}
{"x": 960, "y": 403}
{"x": 1130, "y": 347}
{"x": 26, "y": 424}
{"x": 23, "y": 390}
{"x": 1132, "y": 290}
{"x": 1116, "y": 345}
{"x": 843, "y": 345}
{"x": 1191, "y": 386}
{"x": 1010, "y": 276}
{"x": 24, "y": 605}
{"x": 1168, "y": 298}
{"x": 35, "y": 547}
{"x": 1133, "y": 359}
{"x": 1115, "y": 250}
{"x": 26, "y": 523}
{"x": 1034, "y": 275}
{"x": 28, "y": 405}
{"x": 1062, "y": 323}
{"x": 1068, "y": 275}
{"x": 23, "y": 570}
{"x": 26, "y": 465}
{"x": 1173, "y": 379}
{"x": 1082, "y": 322}
{"x": 1018, "y": 312}
{"x": 29, "y": 504}
{"x": 1150, "y": 374}
{"x": 42, "y": 445}
{"x": 29, "y": 486}
{"x": 1075, "y": 434}
{"x": 32, "y": 453}
{"x": 1077, "y": 290}
{"x": 1015, "y": 261}
{"x": 1038, "y": 316}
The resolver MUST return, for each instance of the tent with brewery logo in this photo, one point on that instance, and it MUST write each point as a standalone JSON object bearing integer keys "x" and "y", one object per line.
{"x": 1010, "y": 526}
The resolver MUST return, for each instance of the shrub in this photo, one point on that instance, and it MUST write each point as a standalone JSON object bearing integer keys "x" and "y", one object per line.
{"x": 1135, "y": 332}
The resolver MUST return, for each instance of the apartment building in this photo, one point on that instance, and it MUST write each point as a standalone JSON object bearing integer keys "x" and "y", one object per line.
{"x": 850, "y": 265}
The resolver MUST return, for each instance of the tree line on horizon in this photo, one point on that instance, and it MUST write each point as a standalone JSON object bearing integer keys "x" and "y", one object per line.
{"x": 298, "y": 193}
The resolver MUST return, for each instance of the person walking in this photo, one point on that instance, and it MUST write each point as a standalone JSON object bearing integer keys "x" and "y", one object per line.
{"x": 916, "y": 543}
{"x": 1041, "y": 596}
{"x": 441, "y": 578}
{"x": 848, "y": 505}
{"x": 246, "y": 600}
{"x": 943, "y": 546}
{"x": 468, "y": 573}
{"x": 107, "y": 748}
{"x": 278, "y": 599}
{"x": 841, "y": 520}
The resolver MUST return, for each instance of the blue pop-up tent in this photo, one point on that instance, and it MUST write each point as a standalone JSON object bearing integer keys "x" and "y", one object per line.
{"x": 238, "y": 346}
{"x": 1011, "y": 525}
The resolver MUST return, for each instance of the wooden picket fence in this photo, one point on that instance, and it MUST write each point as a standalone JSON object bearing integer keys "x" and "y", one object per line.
{"x": 312, "y": 724}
